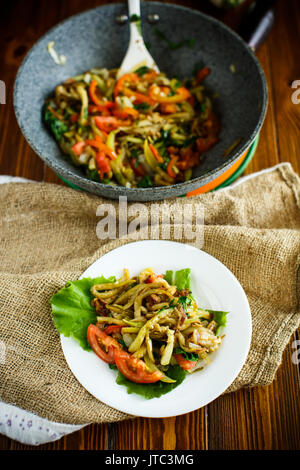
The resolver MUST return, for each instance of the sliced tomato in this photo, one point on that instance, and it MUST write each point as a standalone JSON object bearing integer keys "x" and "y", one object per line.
{"x": 153, "y": 278}
{"x": 103, "y": 163}
{"x": 79, "y": 147}
{"x": 106, "y": 123}
{"x": 74, "y": 117}
{"x": 184, "y": 363}
{"x": 138, "y": 168}
{"x": 134, "y": 369}
{"x": 101, "y": 146}
{"x": 113, "y": 329}
{"x": 102, "y": 344}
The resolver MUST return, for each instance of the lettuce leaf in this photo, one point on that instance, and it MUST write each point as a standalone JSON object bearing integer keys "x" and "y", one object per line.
{"x": 181, "y": 279}
{"x": 187, "y": 355}
{"x": 156, "y": 389}
{"x": 72, "y": 311}
{"x": 219, "y": 317}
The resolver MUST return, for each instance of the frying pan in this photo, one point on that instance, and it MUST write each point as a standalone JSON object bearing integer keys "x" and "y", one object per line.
{"x": 95, "y": 39}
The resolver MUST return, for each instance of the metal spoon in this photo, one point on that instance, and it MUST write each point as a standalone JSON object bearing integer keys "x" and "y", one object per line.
{"x": 137, "y": 54}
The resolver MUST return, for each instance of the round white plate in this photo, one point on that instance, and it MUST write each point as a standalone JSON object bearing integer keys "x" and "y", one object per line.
{"x": 214, "y": 287}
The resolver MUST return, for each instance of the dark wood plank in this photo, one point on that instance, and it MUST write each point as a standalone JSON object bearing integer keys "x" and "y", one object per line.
{"x": 285, "y": 67}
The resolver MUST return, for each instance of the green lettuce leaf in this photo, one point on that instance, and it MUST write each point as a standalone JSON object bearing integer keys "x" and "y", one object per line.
{"x": 181, "y": 279}
{"x": 156, "y": 389}
{"x": 219, "y": 317}
{"x": 72, "y": 311}
{"x": 187, "y": 355}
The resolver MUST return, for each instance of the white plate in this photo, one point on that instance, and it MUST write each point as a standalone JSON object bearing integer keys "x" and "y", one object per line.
{"x": 214, "y": 287}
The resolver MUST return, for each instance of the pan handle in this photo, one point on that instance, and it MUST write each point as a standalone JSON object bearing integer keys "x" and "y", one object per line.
{"x": 257, "y": 23}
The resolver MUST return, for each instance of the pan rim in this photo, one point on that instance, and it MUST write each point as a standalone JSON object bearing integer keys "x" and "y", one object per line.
{"x": 142, "y": 193}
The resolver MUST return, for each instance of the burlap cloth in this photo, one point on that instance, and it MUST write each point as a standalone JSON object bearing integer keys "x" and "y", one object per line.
{"x": 48, "y": 236}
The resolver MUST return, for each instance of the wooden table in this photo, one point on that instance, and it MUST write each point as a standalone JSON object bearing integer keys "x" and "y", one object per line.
{"x": 259, "y": 418}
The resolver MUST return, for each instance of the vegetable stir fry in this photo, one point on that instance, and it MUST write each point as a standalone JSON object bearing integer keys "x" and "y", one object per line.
{"x": 148, "y": 323}
{"x": 142, "y": 130}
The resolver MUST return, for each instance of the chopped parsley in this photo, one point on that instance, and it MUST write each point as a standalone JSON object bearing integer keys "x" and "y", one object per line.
{"x": 142, "y": 106}
{"x": 137, "y": 20}
{"x": 142, "y": 70}
{"x": 146, "y": 182}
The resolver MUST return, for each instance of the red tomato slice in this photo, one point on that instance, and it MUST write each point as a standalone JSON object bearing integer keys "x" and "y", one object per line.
{"x": 184, "y": 363}
{"x": 113, "y": 329}
{"x": 153, "y": 278}
{"x": 102, "y": 163}
{"x": 78, "y": 148}
{"x": 106, "y": 123}
{"x": 139, "y": 170}
{"x": 134, "y": 369}
{"x": 102, "y": 344}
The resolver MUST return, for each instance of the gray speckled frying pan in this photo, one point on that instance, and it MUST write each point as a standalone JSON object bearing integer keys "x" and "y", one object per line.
{"x": 94, "y": 39}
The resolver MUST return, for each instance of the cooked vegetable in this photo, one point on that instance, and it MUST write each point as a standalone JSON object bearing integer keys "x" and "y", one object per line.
{"x": 162, "y": 126}
{"x": 147, "y": 325}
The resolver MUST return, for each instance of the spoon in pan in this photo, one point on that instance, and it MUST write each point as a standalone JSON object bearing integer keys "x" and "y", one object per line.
{"x": 137, "y": 54}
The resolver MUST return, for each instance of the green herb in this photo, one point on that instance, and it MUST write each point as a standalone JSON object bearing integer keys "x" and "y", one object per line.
{"x": 122, "y": 343}
{"x": 164, "y": 165}
{"x": 175, "y": 84}
{"x": 142, "y": 70}
{"x": 174, "y": 45}
{"x": 56, "y": 126}
{"x": 146, "y": 182}
{"x": 187, "y": 355}
{"x": 186, "y": 301}
{"x": 156, "y": 389}
{"x": 134, "y": 153}
{"x": 72, "y": 311}
{"x": 141, "y": 106}
{"x": 134, "y": 18}
{"x": 93, "y": 175}
{"x": 112, "y": 366}
{"x": 137, "y": 20}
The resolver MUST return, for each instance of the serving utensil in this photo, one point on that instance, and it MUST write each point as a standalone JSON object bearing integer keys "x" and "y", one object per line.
{"x": 241, "y": 101}
{"x": 137, "y": 54}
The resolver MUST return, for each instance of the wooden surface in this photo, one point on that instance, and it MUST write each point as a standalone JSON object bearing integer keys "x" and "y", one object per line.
{"x": 260, "y": 418}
